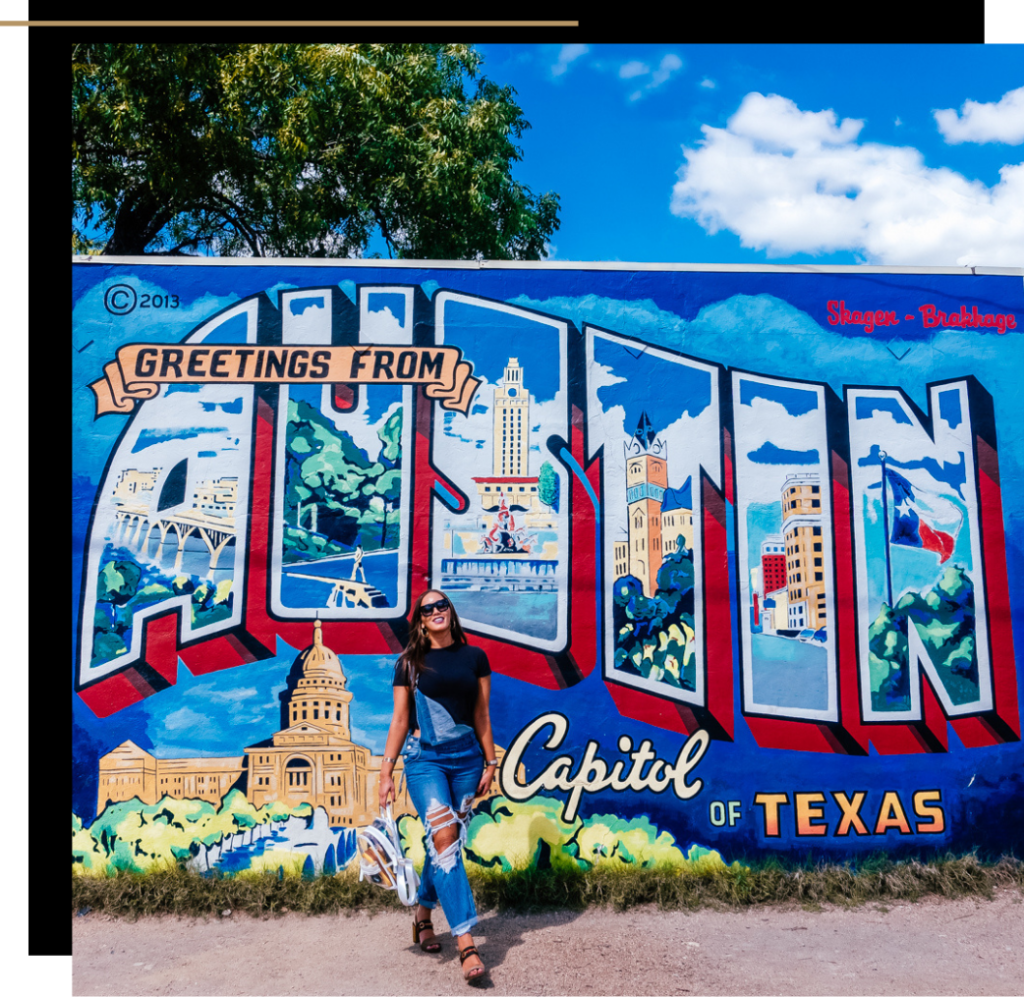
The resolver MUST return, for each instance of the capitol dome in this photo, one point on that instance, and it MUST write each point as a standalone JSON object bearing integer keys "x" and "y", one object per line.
{"x": 320, "y": 695}
{"x": 319, "y": 662}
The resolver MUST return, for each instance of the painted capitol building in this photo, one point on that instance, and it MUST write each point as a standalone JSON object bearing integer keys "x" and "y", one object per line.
{"x": 313, "y": 760}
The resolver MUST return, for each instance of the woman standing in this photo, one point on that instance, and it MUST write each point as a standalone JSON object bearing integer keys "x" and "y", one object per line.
{"x": 442, "y": 689}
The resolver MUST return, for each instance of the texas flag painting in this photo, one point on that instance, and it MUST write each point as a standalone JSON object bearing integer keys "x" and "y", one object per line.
{"x": 922, "y": 518}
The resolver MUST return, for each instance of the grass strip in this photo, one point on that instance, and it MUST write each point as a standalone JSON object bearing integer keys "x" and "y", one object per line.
{"x": 738, "y": 886}
{"x": 173, "y": 890}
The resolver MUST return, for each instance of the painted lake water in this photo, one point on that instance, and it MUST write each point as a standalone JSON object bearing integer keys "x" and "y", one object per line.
{"x": 301, "y": 593}
{"x": 533, "y": 614}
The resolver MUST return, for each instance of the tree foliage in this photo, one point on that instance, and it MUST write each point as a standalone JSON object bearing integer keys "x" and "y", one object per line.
{"x": 357, "y": 498}
{"x": 944, "y": 617}
{"x": 653, "y": 635}
{"x": 508, "y": 835}
{"x": 138, "y": 836}
{"x": 299, "y": 150}
{"x": 547, "y": 485}
{"x": 123, "y": 585}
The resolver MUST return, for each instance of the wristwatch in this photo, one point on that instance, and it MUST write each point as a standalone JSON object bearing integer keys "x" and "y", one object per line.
{"x": 493, "y": 761}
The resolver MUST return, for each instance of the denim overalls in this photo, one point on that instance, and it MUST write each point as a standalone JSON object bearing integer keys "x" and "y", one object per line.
{"x": 443, "y": 766}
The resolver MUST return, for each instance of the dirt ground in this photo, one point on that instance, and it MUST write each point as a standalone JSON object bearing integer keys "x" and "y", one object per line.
{"x": 930, "y": 947}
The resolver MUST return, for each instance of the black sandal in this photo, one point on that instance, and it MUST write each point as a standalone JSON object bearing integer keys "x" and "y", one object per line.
{"x": 474, "y": 973}
{"x": 428, "y": 944}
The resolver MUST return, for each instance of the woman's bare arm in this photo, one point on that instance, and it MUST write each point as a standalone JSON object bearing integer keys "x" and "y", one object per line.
{"x": 396, "y": 739}
{"x": 482, "y": 726}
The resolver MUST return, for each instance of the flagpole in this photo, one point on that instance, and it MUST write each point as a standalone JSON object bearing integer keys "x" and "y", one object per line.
{"x": 885, "y": 527}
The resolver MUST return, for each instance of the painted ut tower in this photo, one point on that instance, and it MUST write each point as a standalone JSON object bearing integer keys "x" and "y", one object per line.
{"x": 511, "y": 424}
{"x": 646, "y": 481}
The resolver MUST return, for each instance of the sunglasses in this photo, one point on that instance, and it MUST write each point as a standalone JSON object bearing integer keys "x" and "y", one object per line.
{"x": 441, "y": 606}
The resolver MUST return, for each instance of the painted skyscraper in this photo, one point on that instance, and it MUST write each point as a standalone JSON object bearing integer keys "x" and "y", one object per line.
{"x": 801, "y": 526}
{"x": 773, "y": 563}
{"x": 646, "y": 481}
{"x": 511, "y": 424}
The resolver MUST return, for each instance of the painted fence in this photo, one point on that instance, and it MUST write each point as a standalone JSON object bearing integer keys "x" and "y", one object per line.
{"x": 742, "y": 546}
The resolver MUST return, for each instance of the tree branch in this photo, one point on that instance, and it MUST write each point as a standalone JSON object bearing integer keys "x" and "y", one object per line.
{"x": 384, "y": 230}
{"x": 250, "y": 235}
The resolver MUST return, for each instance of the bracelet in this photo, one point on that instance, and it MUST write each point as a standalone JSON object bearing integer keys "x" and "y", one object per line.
{"x": 493, "y": 761}
{"x": 392, "y": 760}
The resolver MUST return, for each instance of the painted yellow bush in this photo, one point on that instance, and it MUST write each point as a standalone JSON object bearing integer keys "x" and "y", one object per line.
{"x": 290, "y": 862}
{"x": 86, "y": 854}
{"x": 276, "y": 810}
{"x": 502, "y": 834}
{"x": 411, "y": 830}
{"x": 700, "y": 859}
{"x": 509, "y": 835}
{"x": 137, "y": 836}
{"x": 606, "y": 839}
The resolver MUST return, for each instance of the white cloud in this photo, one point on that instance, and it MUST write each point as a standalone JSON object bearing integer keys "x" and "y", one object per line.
{"x": 708, "y": 83}
{"x": 791, "y": 181}
{"x": 630, "y": 69}
{"x": 667, "y": 68}
{"x": 606, "y": 423}
{"x": 770, "y": 422}
{"x": 186, "y": 719}
{"x": 778, "y": 124}
{"x": 208, "y": 691}
{"x": 669, "y": 65}
{"x": 382, "y": 327}
{"x": 1002, "y": 121}
{"x": 568, "y": 55}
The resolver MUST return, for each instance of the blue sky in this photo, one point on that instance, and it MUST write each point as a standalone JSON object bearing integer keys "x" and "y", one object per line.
{"x": 684, "y": 390}
{"x": 775, "y": 154}
{"x": 534, "y": 344}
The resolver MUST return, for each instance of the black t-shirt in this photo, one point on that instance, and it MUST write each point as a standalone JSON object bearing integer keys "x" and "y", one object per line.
{"x": 450, "y": 680}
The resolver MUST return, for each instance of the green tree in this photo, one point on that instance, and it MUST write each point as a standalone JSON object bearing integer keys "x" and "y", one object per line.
{"x": 652, "y": 634}
{"x": 299, "y": 150}
{"x": 391, "y": 439}
{"x": 358, "y": 498}
{"x": 118, "y": 582}
{"x": 547, "y": 485}
{"x": 944, "y": 619}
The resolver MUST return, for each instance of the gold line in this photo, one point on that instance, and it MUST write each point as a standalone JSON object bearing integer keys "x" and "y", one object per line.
{"x": 289, "y": 24}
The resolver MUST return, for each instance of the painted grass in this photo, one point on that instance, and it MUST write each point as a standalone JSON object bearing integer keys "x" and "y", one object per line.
{"x": 172, "y": 890}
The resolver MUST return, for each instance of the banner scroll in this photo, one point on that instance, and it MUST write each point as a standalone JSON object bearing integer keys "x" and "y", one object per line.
{"x": 139, "y": 369}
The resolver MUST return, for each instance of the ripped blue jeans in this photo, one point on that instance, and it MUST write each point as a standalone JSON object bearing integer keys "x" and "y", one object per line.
{"x": 442, "y": 781}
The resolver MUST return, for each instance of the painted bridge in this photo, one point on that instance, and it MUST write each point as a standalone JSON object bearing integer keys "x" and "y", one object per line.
{"x": 134, "y": 527}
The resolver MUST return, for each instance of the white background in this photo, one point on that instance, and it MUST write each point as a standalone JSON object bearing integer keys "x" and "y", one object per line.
{"x": 41, "y": 975}
{"x": 1004, "y": 23}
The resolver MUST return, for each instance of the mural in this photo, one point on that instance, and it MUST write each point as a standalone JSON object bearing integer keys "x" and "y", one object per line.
{"x": 743, "y": 553}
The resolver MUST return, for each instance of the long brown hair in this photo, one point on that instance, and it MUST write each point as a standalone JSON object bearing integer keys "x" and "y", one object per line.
{"x": 413, "y": 658}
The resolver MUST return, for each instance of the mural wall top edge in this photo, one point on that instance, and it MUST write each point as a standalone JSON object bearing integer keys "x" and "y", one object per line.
{"x": 809, "y": 268}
